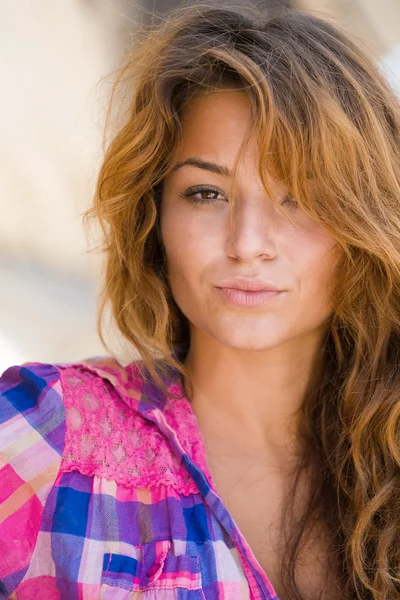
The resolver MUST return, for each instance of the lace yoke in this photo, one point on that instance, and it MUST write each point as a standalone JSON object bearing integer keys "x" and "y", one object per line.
{"x": 109, "y": 435}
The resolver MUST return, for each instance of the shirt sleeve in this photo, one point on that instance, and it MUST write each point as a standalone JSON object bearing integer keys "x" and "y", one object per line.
{"x": 32, "y": 434}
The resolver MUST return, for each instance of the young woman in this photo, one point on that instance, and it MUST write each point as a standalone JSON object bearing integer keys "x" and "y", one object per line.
{"x": 250, "y": 207}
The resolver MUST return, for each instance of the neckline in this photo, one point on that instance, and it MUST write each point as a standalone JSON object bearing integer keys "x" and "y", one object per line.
{"x": 198, "y": 457}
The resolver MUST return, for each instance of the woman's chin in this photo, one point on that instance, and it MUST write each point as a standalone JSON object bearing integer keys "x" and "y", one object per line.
{"x": 248, "y": 340}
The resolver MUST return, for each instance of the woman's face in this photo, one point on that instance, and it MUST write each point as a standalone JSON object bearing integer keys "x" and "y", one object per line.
{"x": 208, "y": 261}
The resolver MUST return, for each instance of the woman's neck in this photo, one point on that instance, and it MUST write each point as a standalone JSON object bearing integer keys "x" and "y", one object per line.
{"x": 253, "y": 397}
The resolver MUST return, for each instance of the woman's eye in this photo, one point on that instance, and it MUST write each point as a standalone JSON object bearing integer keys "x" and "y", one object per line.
{"x": 203, "y": 195}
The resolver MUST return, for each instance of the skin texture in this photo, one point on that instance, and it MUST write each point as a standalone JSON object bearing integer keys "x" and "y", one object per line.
{"x": 250, "y": 366}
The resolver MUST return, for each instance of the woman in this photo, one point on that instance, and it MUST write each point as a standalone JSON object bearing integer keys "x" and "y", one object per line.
{"x": 250, "y": 210}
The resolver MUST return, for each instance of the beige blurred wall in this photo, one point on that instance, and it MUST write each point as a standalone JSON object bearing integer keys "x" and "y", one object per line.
{"x": 376, "y": 22}
{"x": 53, "y": 58}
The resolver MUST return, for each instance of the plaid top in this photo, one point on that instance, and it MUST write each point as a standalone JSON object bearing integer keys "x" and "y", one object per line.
{"x": 105, "y": 492}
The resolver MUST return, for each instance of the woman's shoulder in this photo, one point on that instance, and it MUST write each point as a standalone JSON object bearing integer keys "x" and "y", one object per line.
{"x": 44, "y": 408}
{"x": 30, "y": 386}
{"x": 31, "y": 406}
{"x": 102, "y": 418}
{"x": 35, "y": 387}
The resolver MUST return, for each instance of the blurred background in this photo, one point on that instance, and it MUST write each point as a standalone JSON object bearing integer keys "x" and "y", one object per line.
{"x": 55, "y": 58}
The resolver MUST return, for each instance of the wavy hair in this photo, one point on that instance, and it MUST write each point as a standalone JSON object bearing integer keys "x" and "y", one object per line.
{"x": 320, "y": 106}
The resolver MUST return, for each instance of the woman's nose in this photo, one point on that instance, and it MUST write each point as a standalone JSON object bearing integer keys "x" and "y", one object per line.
{"x": 251, "y": 233}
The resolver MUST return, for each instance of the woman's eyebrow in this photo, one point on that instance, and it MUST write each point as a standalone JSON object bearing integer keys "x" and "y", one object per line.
{"x": 204, "y": 164}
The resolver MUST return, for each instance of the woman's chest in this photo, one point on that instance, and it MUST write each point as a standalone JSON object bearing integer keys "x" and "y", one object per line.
{"x": 255, "y": 499}
{"x": 312, "y": 570}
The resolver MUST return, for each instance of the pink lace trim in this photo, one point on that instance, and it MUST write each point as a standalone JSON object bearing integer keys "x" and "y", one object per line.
{"x": 107, "y": 436}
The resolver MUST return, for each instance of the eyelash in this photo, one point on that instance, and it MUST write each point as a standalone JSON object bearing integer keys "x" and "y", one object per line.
{"x": 191, "y": 192}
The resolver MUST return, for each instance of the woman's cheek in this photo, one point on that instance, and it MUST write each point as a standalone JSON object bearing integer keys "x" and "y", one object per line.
{"x": 187, "y": 234}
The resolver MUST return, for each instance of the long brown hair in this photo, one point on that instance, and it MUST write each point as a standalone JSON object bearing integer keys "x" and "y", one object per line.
{"x": 320, "y": 106}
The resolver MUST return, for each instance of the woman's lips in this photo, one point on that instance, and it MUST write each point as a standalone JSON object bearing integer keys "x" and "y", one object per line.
{"x": 247, "y": 298}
